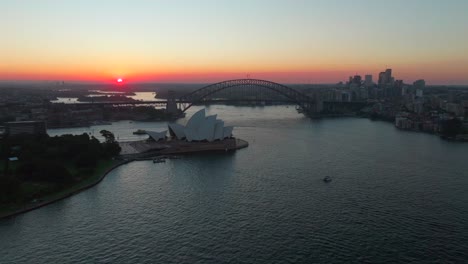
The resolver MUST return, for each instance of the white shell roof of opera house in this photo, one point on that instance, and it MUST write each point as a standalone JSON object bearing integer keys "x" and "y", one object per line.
{"x": 198, "y": 128}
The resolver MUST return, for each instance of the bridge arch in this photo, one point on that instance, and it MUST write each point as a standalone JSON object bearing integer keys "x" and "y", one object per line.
{"x": 299, "y": 98}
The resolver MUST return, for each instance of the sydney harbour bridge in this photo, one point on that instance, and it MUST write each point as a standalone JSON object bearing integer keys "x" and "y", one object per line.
{"x": 246, "y": 90}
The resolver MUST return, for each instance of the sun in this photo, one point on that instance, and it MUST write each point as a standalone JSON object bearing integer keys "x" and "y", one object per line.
{"x": 119, "y": 80}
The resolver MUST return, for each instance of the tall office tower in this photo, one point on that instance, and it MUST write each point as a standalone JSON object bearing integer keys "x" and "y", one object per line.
{"x": 382, "y": 79}
{"x": 368, "y": 81}
{"x": 388, "y": 75}
{"x": 357, "y": 80}
{"x": 419, "y": 84}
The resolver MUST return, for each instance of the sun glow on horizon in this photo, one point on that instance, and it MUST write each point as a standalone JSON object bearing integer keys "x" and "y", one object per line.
{"x": 300, "y": 42}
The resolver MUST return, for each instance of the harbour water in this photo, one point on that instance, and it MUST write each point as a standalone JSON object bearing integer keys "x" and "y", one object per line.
{"x": 396, "y": 196}
{"x": 139, "y": 96}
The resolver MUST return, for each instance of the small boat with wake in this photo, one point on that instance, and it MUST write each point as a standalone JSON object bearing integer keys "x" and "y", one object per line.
{"x": 159, "y": 160}
{"x": 327, "y": 179}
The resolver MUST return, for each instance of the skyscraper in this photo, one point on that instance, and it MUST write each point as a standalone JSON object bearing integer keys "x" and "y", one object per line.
{"x": 382, "y": 79}
{"x": 368, "y": 81}
{"x": 357, "y": 80}
{"x": 385, "y": 77}
{"x": 388, "y": 75}
{"x": 419, "y": 84}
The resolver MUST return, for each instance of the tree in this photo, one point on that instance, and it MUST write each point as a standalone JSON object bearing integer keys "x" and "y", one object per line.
{"x": 87, "y": 160}
{"x": 109, "y": 136}
{"x": 10, "y": 188}
{"x": 111, "y": 147}
{"x": 41, "y": 170}
{"x": 5, "y": 150}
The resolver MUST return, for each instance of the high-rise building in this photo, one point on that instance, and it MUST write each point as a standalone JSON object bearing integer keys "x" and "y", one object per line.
{"x": 357, "y": 80}
{"x": 382, "y": 79}
{"x": 368, "y": 80}
{"x": 386, "y": 77}
{"x": 419, "y": 86}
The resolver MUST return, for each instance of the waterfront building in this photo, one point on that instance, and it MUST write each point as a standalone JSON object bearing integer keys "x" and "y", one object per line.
{"x": 201, "y": 128}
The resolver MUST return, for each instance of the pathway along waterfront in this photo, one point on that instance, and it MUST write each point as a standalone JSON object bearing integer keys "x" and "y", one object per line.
{"x": 396, "y": 197}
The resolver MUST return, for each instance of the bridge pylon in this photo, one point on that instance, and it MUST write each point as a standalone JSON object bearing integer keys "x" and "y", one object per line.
{"x": 171, "y": 106}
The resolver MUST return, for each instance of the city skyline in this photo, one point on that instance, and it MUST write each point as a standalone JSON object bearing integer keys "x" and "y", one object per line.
{"x": 209, "y": 41}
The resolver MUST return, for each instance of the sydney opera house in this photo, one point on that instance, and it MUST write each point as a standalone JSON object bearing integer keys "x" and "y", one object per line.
{"x": 198, "y": 128}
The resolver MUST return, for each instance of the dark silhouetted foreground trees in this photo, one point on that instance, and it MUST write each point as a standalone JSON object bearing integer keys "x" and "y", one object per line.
{"x": 52, "y": 161}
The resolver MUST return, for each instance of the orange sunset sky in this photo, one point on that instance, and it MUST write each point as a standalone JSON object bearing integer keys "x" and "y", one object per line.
{"x": 207, "y": 41}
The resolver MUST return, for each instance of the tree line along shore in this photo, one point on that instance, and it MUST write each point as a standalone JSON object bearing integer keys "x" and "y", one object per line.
{"x": 35, "y": 169}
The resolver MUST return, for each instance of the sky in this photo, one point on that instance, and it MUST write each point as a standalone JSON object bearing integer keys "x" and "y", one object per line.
{"x": 288, "y": 41}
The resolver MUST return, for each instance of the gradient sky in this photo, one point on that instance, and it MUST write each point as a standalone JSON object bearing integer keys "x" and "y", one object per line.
{"x": 321, "y": 41}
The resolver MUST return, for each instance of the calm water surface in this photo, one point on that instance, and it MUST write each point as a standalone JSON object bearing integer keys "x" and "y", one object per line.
{"x": 140, "y": 96}
{"x": 395, "y": 197}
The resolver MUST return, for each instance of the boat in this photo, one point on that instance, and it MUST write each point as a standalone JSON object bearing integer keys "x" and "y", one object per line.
{"x": 159, "y": 160}
{"x": 327, "y": 179}
{"x": 139, "y": 132}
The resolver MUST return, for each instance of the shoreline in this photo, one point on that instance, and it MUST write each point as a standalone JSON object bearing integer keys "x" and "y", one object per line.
{"x": 71, "y": 192}
{"x": 460, "y": 138}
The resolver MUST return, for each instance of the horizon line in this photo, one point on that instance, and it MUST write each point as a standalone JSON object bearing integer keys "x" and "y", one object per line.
{"x": 78, "y": 82}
